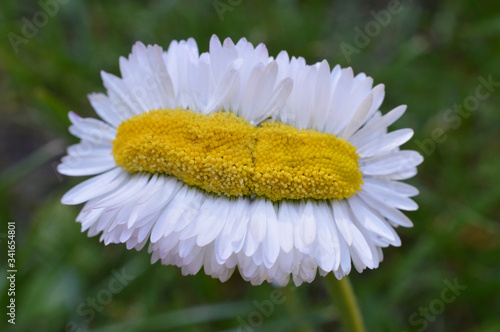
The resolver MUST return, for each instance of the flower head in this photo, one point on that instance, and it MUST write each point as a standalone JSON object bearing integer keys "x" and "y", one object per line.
{"x": 235, "y": 159}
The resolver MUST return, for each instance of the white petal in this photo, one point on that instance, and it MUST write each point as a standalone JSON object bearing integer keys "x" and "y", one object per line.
{"x": 392, "y": 214}
{"x": 358, "y": 118}
{"x": 271, "y": 244}
{"x": 104, "y": 107}
{"x": 307, "y": 224}
{"x": 76, "y": 166}
{"x": 342, "y": 219}
{"x": 390, "y": 197}
{"x": 212, "y": 216}
{"x": 369, "y": 220}
{"x": 95, "y": 131}
{"x": 385, "y": 144}
{"x": 94, "y": 187}
{"x": 286, "y": 227}
{"x": 121, "y": 92}
{"x": 363, "y": 136}
{"x": 256, "y": 227}
{"x": 179, "y": 206}
{"x": 393, "y": 163}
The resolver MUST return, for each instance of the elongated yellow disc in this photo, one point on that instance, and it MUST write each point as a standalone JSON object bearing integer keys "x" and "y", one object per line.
{"x": 226, "y": 155}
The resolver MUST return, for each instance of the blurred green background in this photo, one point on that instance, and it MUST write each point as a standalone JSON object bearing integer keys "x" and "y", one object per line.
{"x": 429, "y": 56}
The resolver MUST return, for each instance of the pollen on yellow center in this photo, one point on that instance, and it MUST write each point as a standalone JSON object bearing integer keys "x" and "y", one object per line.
{"x": 224, "y": 154}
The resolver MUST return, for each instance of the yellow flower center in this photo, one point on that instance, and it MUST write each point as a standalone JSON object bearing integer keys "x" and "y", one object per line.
{"x": 224, "y": 154}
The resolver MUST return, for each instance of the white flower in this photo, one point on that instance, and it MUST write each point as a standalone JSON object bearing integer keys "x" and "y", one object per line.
{"x": 192, "y": 219}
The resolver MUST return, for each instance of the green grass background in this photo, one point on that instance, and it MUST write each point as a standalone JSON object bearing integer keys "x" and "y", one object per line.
{"x": 429, "y": 57}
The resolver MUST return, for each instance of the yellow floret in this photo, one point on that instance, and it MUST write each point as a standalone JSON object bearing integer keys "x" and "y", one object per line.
{"x": 225, "y": 155}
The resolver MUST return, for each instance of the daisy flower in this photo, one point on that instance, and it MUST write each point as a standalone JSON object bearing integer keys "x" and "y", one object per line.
{"x": 235, "y": 159}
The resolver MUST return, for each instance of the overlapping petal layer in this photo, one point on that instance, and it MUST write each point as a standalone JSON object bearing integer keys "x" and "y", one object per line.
{"x": 269, "y": 241}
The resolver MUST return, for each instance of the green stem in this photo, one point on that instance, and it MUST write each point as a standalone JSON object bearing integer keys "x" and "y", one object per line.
{"x": 346, "y": 304}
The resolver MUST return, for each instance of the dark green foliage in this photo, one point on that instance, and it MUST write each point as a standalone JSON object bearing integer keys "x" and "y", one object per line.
{"x": 429, "y": 56}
